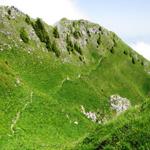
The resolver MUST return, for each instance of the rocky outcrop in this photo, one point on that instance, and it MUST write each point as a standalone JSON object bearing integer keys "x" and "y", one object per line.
{"x": 10, "y": 12}
{"x": 89, "y": 115}
{"x": 98, "y": 117}
{"x": 119, "y": 104}
{"x": 80, "y": 32}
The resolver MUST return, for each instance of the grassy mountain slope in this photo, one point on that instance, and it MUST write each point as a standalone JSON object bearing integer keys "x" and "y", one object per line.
{"x": 128, "y": 131}
{"x": 47, "y": 73}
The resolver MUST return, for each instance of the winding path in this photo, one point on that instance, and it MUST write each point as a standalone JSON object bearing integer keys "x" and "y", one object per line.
{"x": 15, "y": 120}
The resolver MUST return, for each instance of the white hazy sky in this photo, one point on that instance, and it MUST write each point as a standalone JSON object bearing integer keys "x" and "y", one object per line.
{"x": 129, "y": 19}
{"x": 49, "y": 10}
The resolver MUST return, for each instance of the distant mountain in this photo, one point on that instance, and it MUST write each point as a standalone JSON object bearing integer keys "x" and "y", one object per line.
{"x": 59, "y": 84}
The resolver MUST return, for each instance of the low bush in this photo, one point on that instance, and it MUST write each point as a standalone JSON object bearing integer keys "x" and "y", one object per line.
{"x": 77, "y": 34}
{"x": 40, "y": 30}
{"x": 125, "y": 52}
{"x": 9, "y": 12}
{"x": 78, "y": 48}
{"x": 55, "y": 32}
{"x": 142, "y": 62}
{"x": 44, "y": 37}
{"x": 28, "y": 20}
{"x": 112, "y": 50}
{"x": 80, "y": 58}
{"x": 24, "y": 35}
{"x": 74, "y": 24}
{"x": 70, "y": 46}
{"x": 55, "y": 49}
{"x": 99, "y": 40}
{"x": 100, "y": 29}
{"x": 133, "y": 60}
{"x": 88, "y": 33}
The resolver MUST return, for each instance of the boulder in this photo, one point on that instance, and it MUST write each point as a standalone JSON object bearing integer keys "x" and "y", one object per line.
{"x": 119, "y": 104}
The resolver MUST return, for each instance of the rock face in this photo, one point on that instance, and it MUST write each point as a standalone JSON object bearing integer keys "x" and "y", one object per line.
{"x": 80, "y": 32}
{"x": 119, "y": 104}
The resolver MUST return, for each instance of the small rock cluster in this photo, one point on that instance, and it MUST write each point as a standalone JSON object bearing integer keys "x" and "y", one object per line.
{"x": 17, "y": 82}
{"x": 76, "y": 122}
{"x": 119, "y": 104}
{"x": 89, "y": 115}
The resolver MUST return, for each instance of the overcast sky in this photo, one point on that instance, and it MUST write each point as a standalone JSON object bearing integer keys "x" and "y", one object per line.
{"x": 128, "y": 18}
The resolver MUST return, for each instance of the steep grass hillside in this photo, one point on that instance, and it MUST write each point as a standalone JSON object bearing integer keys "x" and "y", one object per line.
{"x": 48, "y": 74}
{"x": 129, "y": 131}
